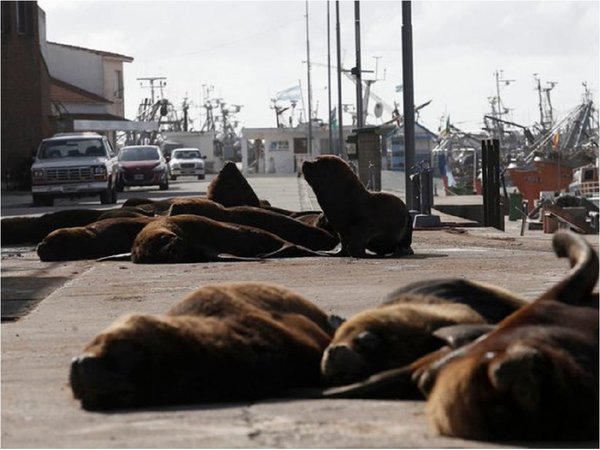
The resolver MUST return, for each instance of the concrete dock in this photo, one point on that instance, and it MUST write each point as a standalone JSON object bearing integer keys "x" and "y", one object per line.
{"x": 64, "y": 305}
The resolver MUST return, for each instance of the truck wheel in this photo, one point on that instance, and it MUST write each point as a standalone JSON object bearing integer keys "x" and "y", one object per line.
{"x": 109, "y": 196}
{"x": 173, "y": 177}
{"x": 42, "y": 200}
{"x": 201, "y": 177}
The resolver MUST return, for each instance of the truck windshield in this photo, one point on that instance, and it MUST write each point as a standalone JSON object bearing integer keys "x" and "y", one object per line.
{"x": 191, "y": 154}
{"x": 71, "y": 148}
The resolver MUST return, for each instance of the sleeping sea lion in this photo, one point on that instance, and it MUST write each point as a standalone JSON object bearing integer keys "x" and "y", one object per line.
{"x": 190, "y": 238}
{"x": 404, "y": 327}
{"x": 285, "y": 227}
{"x": 535, "y": 376}
{"x": 224, "y": 342}
{"x": 377, "y": 221}
{"x": 31, "y": 230}
{"x": 230, "y": 188}
{"x": 156, "y": 207}
{"x": 102, "y": 238}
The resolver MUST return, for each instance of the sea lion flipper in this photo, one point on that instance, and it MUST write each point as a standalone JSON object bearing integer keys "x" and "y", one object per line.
{"x": 459, "y": 335}
{"x": 117, "y": 257}
{"x": 393, "y": 383}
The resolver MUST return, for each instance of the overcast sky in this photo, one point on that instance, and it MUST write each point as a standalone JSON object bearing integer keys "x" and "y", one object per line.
{"x": 250, "y": 50}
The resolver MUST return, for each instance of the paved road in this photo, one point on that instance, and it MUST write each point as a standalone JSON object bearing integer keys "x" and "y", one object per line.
{"x": 39, "y": 411}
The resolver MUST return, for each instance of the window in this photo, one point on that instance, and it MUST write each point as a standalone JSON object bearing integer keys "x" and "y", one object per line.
{"x": 118, "y": 86}
{"x": 279, "y": 146}
{"x": 5, "y": 17}
{"x": 23, "y": 18}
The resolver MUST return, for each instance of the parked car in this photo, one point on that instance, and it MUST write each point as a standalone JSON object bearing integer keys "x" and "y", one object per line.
{"x": 187, "y": 161}
{"x": 74, "y": 165}
{"x": 142, "y": 165}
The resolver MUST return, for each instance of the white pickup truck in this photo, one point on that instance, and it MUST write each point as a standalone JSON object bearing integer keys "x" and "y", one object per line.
{"x": 74, "y": 165}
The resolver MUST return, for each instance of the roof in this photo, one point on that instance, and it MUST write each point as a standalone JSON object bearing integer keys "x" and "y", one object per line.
{"x": 96, "y": 116}
{"x": 64, "y": 92}
{"x": 97, "y": 52}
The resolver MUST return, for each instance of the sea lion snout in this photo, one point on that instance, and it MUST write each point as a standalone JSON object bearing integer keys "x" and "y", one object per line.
{"x": 342, "y": 364}
{"x": 99, "y": 384}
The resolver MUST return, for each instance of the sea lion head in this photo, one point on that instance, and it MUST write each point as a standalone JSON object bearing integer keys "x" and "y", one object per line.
{"x": 325, "y": 167}
{"x": 158, "y": 246}
{"x": 375, "y": 340}
{"x": 495, "y": 394}
{"x": 136, "y": 361}
{"x": 67, "y": 244}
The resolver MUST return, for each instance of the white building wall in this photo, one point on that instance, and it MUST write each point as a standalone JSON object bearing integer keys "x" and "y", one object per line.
{"x": 278, "y": 159}
{"x": 77, "y": 67}
{"x": 202, "y": 141}
{"x": 110, "y": 91}
{"x": 42, "y": 33}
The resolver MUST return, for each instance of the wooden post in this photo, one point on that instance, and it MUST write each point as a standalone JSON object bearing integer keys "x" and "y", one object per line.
{"x": 492, "y": 209}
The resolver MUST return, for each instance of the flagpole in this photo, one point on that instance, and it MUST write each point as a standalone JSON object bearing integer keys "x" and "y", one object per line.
{"x": 309, "y": 147}
{"x": 342, "y": 148}
{"x": 329, "y": 81}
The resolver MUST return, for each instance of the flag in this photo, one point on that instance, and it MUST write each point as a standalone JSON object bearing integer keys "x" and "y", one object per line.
{"x": 555, "y": 140}
{"x": 399, "y": 88}
{"x": 293, "y": 93}
{"x": 333, "y": 118}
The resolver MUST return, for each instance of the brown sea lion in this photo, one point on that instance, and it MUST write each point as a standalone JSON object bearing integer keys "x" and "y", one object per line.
{"x": 285, "y": 227}
{"x": 156, "y": 207}
{"x": 535, "y": 376}
{"x": 102, "y": 238}
{"x": 230, "y": 188}
{"x": 224, "y": 342}
{"x": 31, "y": 230}
{"x": 404, "y": 327}
{"x": 190, "y": 238}
{"x": 377, "y": 221}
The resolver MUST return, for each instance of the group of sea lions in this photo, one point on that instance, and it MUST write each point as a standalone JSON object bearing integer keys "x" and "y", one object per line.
{"x": 231, "y": 220}
{"x": 490, "y": 365}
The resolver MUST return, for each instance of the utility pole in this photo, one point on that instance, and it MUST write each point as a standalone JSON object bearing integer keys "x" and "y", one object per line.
{"x": 357, "y": 71}
{"x": 329, "y": 81}
{"x": 499, "y": 108}
{"x": 151, "y": 81}
{"x": 309, "y": 85}
{"x": 340, "y": 107}
{"x": 409, "y": 102}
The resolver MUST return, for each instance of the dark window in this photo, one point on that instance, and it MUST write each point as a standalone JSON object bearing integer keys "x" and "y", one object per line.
{"x": 300, "y": 145}
{"x": 24, "y": 18}
{"x": 118, "y": 84}
{"x": 5, "y": 16}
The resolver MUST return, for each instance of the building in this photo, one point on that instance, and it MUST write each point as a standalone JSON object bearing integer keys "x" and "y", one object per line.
{"x": 26, "y": 111}
{"x": 86, "y": 84}
{"x": 47, "y": 87}
{"x": 425, "y": 141}
{"x": 281, "y": 150}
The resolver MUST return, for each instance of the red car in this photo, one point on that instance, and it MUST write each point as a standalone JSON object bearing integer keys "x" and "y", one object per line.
{"x": 142, "y": 165}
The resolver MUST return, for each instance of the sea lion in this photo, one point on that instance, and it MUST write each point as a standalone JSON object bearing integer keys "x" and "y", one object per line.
{"x": 223, "y": 342}
{"x": 285, "y": 227}
{"x": 102, "y": 238}
{"x": 156, "y": 207}
{"x": 404, "y": 327}
{"x": 31, "y": 230}
{"x": 535, "y": 376}
{"x": 230, "y": 188}
{"x": 190, "y": 238}
{"x": 377, "y": 221}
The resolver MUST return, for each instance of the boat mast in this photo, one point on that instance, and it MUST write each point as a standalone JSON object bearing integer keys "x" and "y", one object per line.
{"x": 309, "y": 85}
